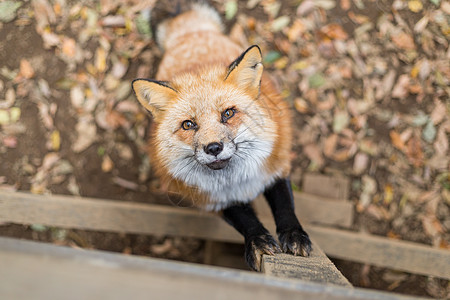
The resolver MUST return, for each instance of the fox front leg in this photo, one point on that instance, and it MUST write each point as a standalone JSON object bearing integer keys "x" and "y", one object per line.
{"x": 292, "y": 237}
{"x": 258, "y": 240}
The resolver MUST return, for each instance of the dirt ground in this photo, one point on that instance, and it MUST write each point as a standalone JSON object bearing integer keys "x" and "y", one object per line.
{"x": 368, "y": 82}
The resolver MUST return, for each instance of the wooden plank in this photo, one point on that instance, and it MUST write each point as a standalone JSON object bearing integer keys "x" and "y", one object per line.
{"x": 314, "y": 209}
{"x": 125, "y": 217}
{"x": 31, "y": 270}
{"x": 315, "y": 268}
{"x": 109, "y": 215}
{"x": 383, "y": 252}
{"x": 326, "y": 186}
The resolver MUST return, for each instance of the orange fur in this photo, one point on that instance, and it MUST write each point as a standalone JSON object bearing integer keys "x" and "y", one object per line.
{"x": 195, "y": 62}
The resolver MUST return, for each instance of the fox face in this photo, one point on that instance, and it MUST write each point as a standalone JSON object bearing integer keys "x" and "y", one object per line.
{"x": 211, "y": 132}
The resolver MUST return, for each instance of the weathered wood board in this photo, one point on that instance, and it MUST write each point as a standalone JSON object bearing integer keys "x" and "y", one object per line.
{"x": 383, "y": 252}
{"x": 314, "y": 209}
{"x": 326, "y": 186}
{"x": 315, "y": 268}
{"x": 125, "y": 217}
{"x": 38, "y": 271}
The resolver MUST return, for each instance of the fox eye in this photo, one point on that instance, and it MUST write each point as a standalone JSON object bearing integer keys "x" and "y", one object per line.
{"x": 188, "y": 124}
{"x": 228, "y": 114}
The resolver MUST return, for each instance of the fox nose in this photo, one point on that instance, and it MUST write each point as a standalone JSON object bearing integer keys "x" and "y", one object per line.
{"x": 213, "y": 148}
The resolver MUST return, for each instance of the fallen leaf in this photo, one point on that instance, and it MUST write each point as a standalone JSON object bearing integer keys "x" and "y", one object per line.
{"x": 87, "y": 134}
{"x": 69, "y": 47}
{"x": 100, "y": 60}
{"x": 107, "y": 164}
{"x": 439, "y": 112}
{"x": 301, "y": 105}
{"x": 360, "y": 163}
{"x": 403, "y": 41}
{"x": 386, "y": 85}
{"x": 340, "y": 120}
{"x": 415, "y": 5}
{"x": 279, "y": 23}
{"x": 400, "y": 89}
{"x": 397, "y": 140}
{"x": 345, "y": 4}
{"x": 10, "y": 98}
{"x": 330, "y": 145}
{"x": 113, "y": 21}
{"x": 421, "y": 24}
{"x": 55, "y": 139}
{"x": 10, "y": 141}
{"x": 26, "y": 70}
{"x": 334, "y": 31}
{"x": 441, "y": 145}
{"x": 429, "y": 132}
{"x": 414, "y": 152}
{"x": 8, "y": 10}
{"x": 125, "y": 183}
{"x": 231, "y": 9}
{"x": 316, "y": 80}
{"x": 388, "y": 194}
{"x": 431, "y": 226}
{"x": 77, "y": 96}
{"x": 312, "y": 151}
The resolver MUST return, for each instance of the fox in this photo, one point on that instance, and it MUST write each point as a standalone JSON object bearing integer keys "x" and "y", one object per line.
{"x": 221, "y": 132}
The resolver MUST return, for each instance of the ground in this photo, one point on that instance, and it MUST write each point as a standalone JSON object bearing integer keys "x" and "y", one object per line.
{"x": 368, "y": 82}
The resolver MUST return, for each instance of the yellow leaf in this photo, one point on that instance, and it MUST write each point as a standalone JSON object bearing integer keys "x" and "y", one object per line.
{"x": 415, "y": 71}
{"x": 301, "y": 105}
{"x": 415, "y": 5}
{"x": 55, "y": 138}
{"x": 388, "y": 194}
{"x": 100, "y": 60}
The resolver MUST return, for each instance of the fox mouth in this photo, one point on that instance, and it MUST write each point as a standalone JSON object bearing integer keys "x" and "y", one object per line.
{"x": 219, "y": 164}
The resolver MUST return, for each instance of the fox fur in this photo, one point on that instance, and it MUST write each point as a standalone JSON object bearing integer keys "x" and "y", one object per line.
{"x": 222, "y": 132}
{"x": 195, "y": 81}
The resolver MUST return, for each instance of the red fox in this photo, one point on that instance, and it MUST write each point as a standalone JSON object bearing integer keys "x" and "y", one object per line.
{"x": 222, "y": 133}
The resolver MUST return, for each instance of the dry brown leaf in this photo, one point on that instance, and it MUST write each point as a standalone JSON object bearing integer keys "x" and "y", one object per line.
{"x": 431, "y": 226}
{"x": 441, "y": 144}
{"x": 296, "y": 30}
{"x": 26, "y": 70}
{"x": 386, "y": 85}
{"x": 414, "y": 152}
{"x": 69, "y": 47}
{"x": 312, "y": 151}
{"x": 87, "y": 134}
{"x": 345, "y": 4}
{"x": 330, "y": 145}
{"x": 403, "y": 41}
{"x": 357, "y": 18}
{"x": 439, "y": 112}
{"x": 401, "y": 88}
{"x": 107, "y": 164}
{"x": 360, "y": 163}
{"x": 335, "y": 32}
{"x": 397, "y": 140}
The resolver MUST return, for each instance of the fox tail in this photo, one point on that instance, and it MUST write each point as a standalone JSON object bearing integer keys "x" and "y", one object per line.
{"x": 187, "y": 17}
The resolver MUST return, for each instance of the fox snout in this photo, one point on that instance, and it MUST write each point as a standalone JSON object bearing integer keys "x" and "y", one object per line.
{"x": 216, "y": 155}
{"x": 213, "y": 148}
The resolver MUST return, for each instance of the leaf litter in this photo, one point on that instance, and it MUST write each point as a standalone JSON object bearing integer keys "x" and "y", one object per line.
{"x": 368, "y": 82}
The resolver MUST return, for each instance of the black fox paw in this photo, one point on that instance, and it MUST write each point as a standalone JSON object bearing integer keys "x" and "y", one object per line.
{"x": 295, "y": 241}
{"x": 258, "y": 245}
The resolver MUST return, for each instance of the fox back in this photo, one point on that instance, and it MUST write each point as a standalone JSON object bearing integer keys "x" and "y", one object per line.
{"x": 222, "y": 133}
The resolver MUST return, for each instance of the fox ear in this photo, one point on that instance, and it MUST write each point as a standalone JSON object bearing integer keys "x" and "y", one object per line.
{"x": 153, "y": 95}
{"x": 246, "y": 70}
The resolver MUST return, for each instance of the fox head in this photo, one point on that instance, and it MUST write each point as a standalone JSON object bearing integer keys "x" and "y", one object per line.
{"x": 211, "y": 128}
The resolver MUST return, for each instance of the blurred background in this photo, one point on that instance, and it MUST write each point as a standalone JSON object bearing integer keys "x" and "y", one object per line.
{"x": 368, "y": 82}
